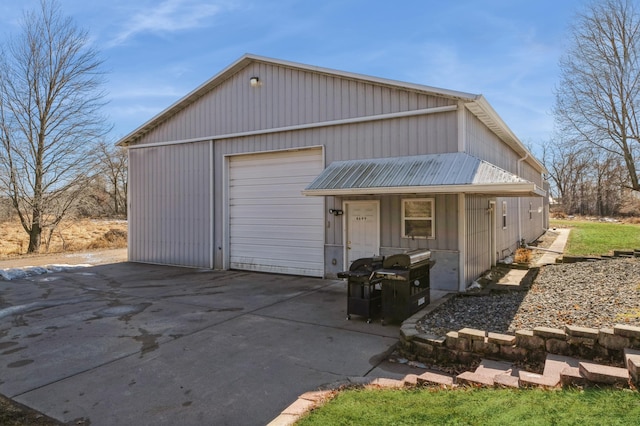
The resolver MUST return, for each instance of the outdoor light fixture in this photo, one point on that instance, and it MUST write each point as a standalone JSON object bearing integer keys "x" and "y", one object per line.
{"x": 336, "y": 212}
{"x": 254, "y": 81}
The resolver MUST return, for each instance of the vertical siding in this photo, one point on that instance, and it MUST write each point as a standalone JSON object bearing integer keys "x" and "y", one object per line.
{"x": 507, "y": 238}
{"x": 169, "y": 215}
{"x": 534, "y": 221}
{"x": 484, "y": 144}
{"x": 287, "y": 97}
{"x": 478, "y": 237}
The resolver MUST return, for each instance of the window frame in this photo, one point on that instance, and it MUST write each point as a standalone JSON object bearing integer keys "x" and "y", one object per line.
{"x": 432, "y": 218}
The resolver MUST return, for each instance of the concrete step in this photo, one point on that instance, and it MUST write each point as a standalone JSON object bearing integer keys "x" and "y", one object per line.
{"x": 571, "y": 376}
{"x": 491, "y": 373}
{"x": 492, "y": 368}
{"x": 431, "y": 378}
{"x": 632, "y": 361}
{"x": 502, "y": 373}
{"x": 507, "y": 380}
{"x": 528, "y": 379}
{"x": 385, "y": 383}
{"x": 604, "y": 374}
{"x": 474, "y": 379}
{"x": 411, "y": 380}
{"x": 554, "y": 366}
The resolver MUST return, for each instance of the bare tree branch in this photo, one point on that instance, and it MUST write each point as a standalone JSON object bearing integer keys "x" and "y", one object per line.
{"x": 50, "y": 120}
{"x": 599, "y": 94}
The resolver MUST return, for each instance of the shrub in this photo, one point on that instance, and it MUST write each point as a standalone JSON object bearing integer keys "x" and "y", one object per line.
{"x": 113, "y": 238}
{"x": 522, "y": 255}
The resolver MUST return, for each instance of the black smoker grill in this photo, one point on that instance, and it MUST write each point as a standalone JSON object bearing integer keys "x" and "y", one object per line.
{"x": 363, "y": 297}
{"x": 405, "y": 284}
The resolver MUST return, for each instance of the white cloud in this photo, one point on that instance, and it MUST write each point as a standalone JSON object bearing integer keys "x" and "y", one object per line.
{"x": 169, "y": 16}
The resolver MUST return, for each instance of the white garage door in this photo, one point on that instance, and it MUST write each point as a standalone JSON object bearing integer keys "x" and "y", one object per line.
{"x": 272, "y": 227}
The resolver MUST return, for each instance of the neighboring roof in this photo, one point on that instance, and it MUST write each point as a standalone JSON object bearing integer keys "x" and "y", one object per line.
{"x": 476, "y": 103}
{"x": 437, "y": 173}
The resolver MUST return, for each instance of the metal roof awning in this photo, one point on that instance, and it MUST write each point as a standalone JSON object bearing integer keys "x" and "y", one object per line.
{"x": 450, "y": 173}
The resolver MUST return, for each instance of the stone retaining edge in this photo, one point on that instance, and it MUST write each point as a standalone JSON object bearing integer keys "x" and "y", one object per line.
{"x": 528, "y": 346}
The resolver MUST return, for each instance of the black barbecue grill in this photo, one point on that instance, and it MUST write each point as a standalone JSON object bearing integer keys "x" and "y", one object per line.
{"x": 363, "y": 292}
{"x": 405, "y": 283}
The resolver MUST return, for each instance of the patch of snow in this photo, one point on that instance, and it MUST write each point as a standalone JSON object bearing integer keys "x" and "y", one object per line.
{"x": 474, "y": 285}
{"x": 10, "y": 274}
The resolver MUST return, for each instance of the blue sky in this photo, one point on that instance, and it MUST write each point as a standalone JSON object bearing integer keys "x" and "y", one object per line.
{"x": 156, "y": 51}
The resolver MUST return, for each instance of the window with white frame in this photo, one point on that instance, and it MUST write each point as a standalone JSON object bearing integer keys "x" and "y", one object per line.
{"x": 418, "y": 218}
{"x": 504, "y": 215}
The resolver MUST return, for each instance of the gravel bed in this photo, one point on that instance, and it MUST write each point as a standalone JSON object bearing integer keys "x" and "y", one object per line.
{"x": 588, "y": 294}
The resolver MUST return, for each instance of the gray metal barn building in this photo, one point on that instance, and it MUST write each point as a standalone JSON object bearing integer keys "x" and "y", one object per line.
{"x": 282, "y": 167}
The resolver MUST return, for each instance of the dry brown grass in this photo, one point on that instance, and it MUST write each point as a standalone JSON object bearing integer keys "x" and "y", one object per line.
{"x": 73, "y": 235}
{"x": 522, "y": 255}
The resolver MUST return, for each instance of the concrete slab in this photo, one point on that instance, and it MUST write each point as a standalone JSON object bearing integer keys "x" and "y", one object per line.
{"x": 606, "y": 374}
{"x": 549, "y": 257}
{"x": 513, "y": 277}
{"x": 144, "y": 344}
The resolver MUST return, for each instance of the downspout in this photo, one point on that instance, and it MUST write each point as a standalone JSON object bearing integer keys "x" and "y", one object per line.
{"x": 519, "y": 167}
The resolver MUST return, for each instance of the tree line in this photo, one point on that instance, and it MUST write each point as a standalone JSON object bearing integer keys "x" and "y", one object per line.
{"x": 54, "y": 160}
{"x": 593, "y": 162}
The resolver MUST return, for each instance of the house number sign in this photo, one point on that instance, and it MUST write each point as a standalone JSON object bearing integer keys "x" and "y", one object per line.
{"x": 361, "y": 218}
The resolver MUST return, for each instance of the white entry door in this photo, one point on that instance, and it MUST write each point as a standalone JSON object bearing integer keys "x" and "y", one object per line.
{"x": 362, "y": 230}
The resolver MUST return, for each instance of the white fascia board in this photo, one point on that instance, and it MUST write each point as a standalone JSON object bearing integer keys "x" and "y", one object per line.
{"x": 491, "y": 118}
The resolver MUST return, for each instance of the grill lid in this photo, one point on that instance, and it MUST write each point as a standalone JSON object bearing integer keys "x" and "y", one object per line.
{"x": 406, "y": 260}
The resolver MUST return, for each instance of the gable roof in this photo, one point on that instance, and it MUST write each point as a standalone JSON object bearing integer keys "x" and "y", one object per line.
{"x": 476, "y": 103}
{"x": 456, "y": 172}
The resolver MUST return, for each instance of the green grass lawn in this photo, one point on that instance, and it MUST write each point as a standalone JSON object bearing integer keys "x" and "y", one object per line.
{"x": 479, "y": 407}
{"x": 596, "y": 238}
{"x": 499, "y": 406}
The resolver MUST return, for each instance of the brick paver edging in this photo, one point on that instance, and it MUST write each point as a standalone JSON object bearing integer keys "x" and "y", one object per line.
{"x": 468, "y": 345}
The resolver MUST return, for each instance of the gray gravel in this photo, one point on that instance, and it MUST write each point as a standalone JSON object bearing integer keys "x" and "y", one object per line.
{"x": 589, "y": 294}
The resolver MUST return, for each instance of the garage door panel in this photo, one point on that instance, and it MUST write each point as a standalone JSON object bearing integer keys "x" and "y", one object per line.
{"x": 281, "y": 254}
{"x": 258, "y": 191}
{"x": 258, "y": 213}
{"x": 276, "y": 233}
{"x": 253, "y": 222}
{"x": 272, "y": 226}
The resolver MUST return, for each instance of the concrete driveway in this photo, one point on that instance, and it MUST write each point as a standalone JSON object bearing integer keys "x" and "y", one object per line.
{"x": 128, "y": 343}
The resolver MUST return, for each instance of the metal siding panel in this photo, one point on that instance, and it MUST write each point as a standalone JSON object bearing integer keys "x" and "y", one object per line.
{"x": 507, "y": 239}
{"x": 485, "y": 144}
{"x": 478, "y": 256}
{"x": 170, "y": 214}
{"x": 286, "y": 97}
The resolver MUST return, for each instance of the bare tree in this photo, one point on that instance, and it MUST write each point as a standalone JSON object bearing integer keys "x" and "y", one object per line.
{"x": 50, "y": 103}
{"x": 114, "y": 161}
{"x": 567, "y": 163}
{"x": 599, "y": 93}
{"x": 585, "y": 179}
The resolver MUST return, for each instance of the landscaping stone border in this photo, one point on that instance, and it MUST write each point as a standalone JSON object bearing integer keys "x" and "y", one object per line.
{"x": 469, "y": 345}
